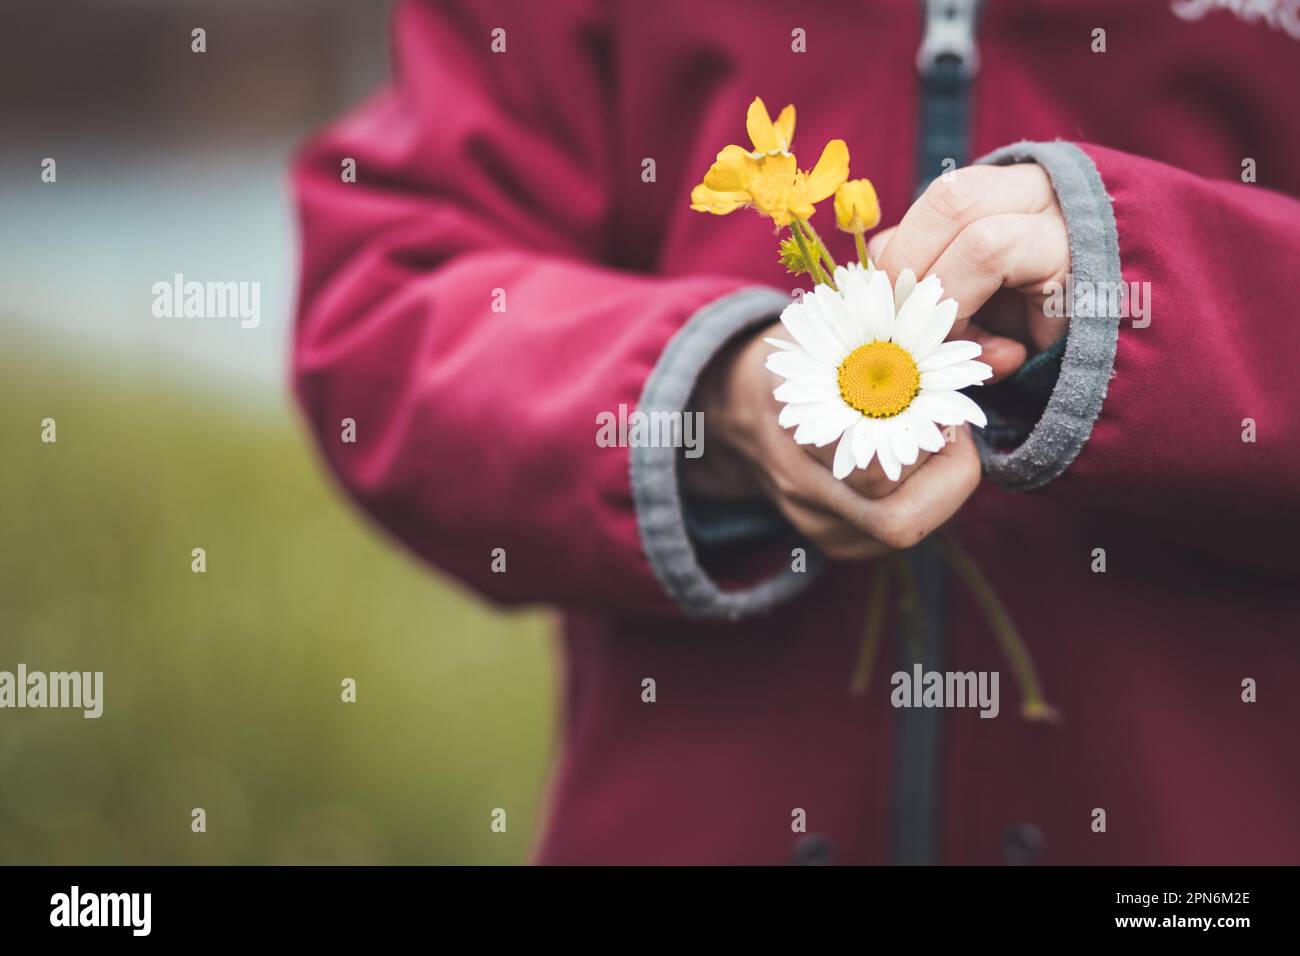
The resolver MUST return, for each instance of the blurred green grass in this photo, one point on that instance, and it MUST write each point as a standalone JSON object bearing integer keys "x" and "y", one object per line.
{"x": 222, "y": 689}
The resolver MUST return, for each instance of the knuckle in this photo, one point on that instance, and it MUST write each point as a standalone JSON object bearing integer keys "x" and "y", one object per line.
{"x": 784, "y": 484}
{"x": 869, "y": 485}
{"x": 899, "y": 530}
{"x": 951, "y": 196}
{"x": 984, "y": 243}
{"x": 879, "y": 488}
{"x": 894, "y": 538}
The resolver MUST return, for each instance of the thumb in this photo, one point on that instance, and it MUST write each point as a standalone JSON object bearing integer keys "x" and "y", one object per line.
{"x": 1002, "y": 354}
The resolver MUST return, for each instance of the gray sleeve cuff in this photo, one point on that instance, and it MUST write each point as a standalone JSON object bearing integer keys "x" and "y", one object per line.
{"x": 1089, "y": 356}
{"x": 655, "y": 490}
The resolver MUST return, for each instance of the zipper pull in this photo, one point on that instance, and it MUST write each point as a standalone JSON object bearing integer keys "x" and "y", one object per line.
{"x": 949, "y": 36}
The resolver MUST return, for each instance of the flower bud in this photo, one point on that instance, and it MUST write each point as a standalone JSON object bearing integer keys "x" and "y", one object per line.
{"x": 856, "y": 207}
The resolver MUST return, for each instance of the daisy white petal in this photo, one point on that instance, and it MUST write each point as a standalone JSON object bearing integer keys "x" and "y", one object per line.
{"x": 935, "y": 329}
{"x": 824, "y": 430}
{"x": 850, "y": 274}
{"x": 880, "y": 314}
{"x": 961, "y": 375}
{"x": 781, "y": 343}
{"x": 842, "y": 466}
{"x": 901, "y": 440}
{"x": 800, "y": 412}
{"x": 803, "y": 435}
{"x": 888, "y": 460}
{"x": 855, "y": 286}
{"x": 972, "y": 412}
{"x": 949, "y": 353}
{"x": 924, "y": 430}
{"x": 865, "y": 435}
{"x": 938, "y": 407}
{"x": 903, "y": 288}
{"x": 915, "y": 313}
{"x": 796, "y": 391}
{"x": 811, "y": 330}
{"x": 799, "y": 365}
{"x": 848, "y": 329}
{"x": 852, "y": 270}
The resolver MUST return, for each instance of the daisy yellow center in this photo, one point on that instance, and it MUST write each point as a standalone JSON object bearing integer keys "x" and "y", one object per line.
{"x": 879, "y": 379}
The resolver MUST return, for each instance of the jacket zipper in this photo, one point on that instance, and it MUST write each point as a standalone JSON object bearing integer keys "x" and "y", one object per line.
{"x": 949, "y": 37}
{"x": 947, "y": 61}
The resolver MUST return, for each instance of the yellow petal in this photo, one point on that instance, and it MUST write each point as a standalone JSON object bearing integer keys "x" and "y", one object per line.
{"x": 785, "y": 127}
{"x": 727, "y": 174}
{"x": 844, "y": 209}
{"x": 759, "y": 126}
{"x": 772, "y": 176}
{"x": 704, "y": 199}
{"x": 857, "y": 208}
{"x": 831, "y": 170}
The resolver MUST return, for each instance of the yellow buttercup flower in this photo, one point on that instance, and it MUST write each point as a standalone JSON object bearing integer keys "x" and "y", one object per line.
{"x": 767, "y": 138}
{"x": 768, "y": 179}
{"x": 771, "y": 183}
{"x": 856, "y": 207}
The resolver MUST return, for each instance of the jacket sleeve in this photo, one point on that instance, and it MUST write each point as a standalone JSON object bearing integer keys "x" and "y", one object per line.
{"x": 1175, "y": 398}
{"x": 455, "y": 308}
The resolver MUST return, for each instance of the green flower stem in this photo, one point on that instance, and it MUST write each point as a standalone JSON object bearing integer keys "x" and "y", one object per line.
{"x": 909, "y": 606}
{"x": 814, "y": 264}
{"x": 1034, "y": 706}
{"x": 821, "y": 246}
{"x": 863, "y": 259}
{"x": 871, "y": 634}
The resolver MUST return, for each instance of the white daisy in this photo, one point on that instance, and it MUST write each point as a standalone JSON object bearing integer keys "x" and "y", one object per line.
{"x": 872, "y": 369}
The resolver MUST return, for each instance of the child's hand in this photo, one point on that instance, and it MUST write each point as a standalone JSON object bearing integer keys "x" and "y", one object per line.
{"x": 865, "y": 515}
{"x": 982, "y": 229}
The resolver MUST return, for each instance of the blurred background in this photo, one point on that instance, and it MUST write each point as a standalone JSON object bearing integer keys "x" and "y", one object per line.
{"x": 222, "y": 690}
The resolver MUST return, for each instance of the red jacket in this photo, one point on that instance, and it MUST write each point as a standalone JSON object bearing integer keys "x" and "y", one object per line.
{"x": 522, "y": 171}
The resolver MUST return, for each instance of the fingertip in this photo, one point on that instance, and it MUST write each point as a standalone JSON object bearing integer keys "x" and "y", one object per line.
{"x": 1004, "y": 356}
{"x": 877, "y": 244}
